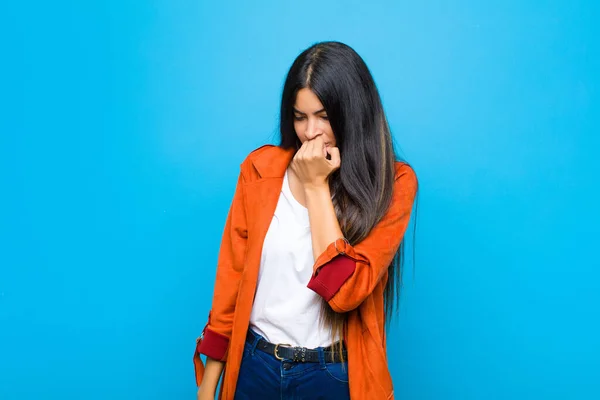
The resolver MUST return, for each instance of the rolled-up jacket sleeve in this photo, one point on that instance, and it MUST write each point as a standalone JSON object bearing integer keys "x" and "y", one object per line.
{"x": 214, "y": 340}
{"x": 344, "y": 275}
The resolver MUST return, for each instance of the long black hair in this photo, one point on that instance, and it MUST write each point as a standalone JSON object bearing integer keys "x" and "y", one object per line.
{"x": 362, "y": 187}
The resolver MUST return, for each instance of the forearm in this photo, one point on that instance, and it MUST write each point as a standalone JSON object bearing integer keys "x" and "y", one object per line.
{"x": 212, "y": 374}
{"x": 324, "y": 225}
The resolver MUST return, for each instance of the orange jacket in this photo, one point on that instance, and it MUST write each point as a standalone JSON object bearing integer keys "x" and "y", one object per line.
{"x": 351, "y": 278}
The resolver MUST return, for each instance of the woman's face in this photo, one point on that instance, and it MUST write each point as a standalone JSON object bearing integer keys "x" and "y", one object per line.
{"x": 310, "y": 118}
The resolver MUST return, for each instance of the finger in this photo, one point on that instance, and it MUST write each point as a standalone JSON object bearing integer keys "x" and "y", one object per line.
{"x": 336, "y": 160}
{"x": 310, "y": 148}
{"x": 300, "y": 153}
{"x": 318, "y": 147}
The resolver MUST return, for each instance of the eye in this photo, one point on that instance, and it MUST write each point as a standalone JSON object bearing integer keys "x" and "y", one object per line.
{"x": 298, "y": 118}
{"x": 324, "y": 117}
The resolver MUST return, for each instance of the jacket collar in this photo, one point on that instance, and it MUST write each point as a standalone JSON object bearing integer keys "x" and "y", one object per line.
{"x": 272, "y": 161}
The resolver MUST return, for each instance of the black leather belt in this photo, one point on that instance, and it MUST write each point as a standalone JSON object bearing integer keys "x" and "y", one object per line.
{"x": 296, "y": 354}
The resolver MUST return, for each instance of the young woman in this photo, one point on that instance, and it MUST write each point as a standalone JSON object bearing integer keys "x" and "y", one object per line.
{"x": 312, "y": 250}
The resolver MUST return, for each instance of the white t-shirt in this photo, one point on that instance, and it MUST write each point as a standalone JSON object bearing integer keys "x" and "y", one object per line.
{"x": 285, "y": 310}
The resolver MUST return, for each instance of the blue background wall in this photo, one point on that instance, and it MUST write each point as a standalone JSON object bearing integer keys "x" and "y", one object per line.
{"x": 122, "y": 125}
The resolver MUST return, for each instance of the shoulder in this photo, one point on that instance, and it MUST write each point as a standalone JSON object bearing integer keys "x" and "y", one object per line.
{"x": 254, "y": 156}
{"x": 260, "y": 152}
{"x": 265, "y": 161}
{"x": 406, "y": 179}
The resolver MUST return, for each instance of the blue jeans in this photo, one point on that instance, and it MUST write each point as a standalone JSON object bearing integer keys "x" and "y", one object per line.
{"x": 264, "y": 377}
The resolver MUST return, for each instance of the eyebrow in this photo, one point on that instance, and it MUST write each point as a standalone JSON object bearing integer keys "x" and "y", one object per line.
{"x": 315, "y": 113}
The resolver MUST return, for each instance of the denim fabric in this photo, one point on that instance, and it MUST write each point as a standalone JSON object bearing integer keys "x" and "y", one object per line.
{"x": 264, "y": 377}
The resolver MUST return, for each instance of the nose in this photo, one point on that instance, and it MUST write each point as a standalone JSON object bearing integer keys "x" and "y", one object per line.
{"x": 312, "y": 131}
